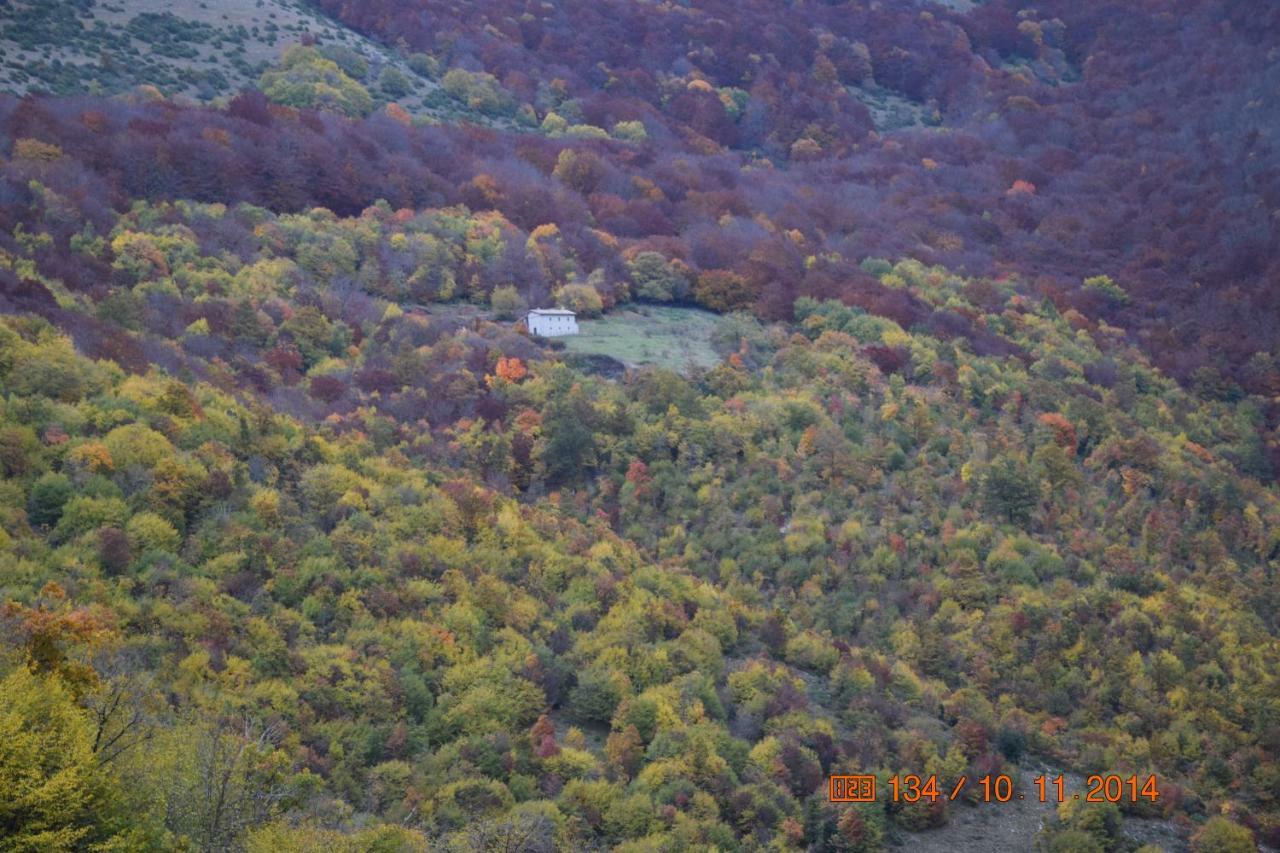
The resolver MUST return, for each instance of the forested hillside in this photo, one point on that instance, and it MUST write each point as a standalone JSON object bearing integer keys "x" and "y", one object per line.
{"x": 306, "y": 544}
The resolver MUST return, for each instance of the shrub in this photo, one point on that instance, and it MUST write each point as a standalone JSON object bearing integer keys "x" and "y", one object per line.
{"x": 723, "y": 290}
{"x": 1220, "y": 835}
{"x": 630, "y": 131}
{"x": 479, "y": 91}
{"x": 351, "y": 62}
{"x": 581, "y": 298}
{"x": 307, "y": 80}
{"x": 394, "y": 83}
{"x": 506, "y": 302}
{"x": 657, "y": 279}
{"x": 424, "y": 64}
{"x": 1104, "y": 285}
{"x": 586, "y": 131}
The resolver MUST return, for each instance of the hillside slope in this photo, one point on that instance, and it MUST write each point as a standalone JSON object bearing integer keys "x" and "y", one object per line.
{"x": 424, "y": 576}
{"x": 205, "y": 52}
{"x": 1059, "y": 143}
{"x": 926, "y": 423}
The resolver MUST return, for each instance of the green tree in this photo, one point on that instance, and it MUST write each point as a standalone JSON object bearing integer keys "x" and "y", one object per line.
{"x": 656, "y": 278}
{"x": 580, "y": 170}
{"x": 52, "y": 369}
{"x": 314, "y": 335}
{"x": 19, "y": 451}
{"x": 595, "y": 697}
{"x": 307, "y": 79}
{"x": 1009, "y": 491}
{"x": 1053, "y": 464}
{"x": 149, "y": 532}
{"x": 570, "y": 441}
{"x": 136, "y": 444}
{"x": 48, "y": 496}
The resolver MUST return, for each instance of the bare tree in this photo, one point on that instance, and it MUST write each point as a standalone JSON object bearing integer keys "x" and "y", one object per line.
{"x": 125, "y": 708}
{"x": 523, "y": 833}
{"x": 229, "y": 783}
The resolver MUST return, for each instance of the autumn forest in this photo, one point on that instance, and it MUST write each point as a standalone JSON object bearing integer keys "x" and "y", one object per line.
{"x": 307, "y": 543}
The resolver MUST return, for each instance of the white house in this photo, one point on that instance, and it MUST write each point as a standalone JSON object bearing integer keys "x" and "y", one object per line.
{"x": 551, "y": 322}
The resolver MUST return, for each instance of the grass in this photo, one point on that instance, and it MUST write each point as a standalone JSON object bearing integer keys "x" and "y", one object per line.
{"x": 674, "y": 338}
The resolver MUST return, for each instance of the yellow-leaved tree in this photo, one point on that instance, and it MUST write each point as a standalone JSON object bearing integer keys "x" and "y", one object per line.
{"x": 53, "y": 793}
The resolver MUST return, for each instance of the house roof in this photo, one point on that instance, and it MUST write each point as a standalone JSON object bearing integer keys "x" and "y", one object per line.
{"x": 553, "y": 312}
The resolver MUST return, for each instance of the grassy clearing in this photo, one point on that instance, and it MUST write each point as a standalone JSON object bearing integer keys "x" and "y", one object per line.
{"x": 674, "y": 338}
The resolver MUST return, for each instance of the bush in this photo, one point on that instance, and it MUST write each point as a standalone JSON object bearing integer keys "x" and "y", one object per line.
{"x": 1072, "y": 841}
{"x": 307, "y": 80}
{"x": 1108, "y": 288}
{"x": 585, "y": 131}
{"x": 394, "y": 83}
{"x": 656, "y": 279}
{"x": 424, "y": 64}
{"x": 352, "y": 62}
{"x": 34, "y": 149}
{"x": 1099, "y": 823}
{"x": 506, "y": 302}
{"x": 723, "y": 290}
{"x": 553, "y": 125}
{"x": 1220, "y": 835}
{"x": 479, "y": 91}
{"x": 580, "y": 298}
{"x": 630, "y": 131}
{"x": 1011, "y": 743}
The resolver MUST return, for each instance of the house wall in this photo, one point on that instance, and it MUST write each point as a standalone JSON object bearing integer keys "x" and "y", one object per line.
{"x": 551, "y": 326}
